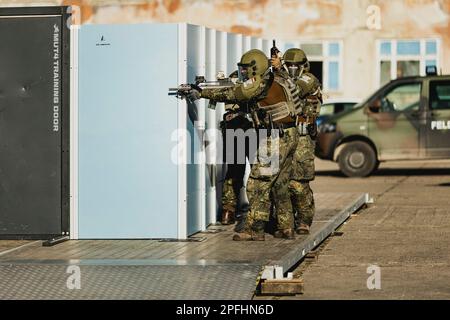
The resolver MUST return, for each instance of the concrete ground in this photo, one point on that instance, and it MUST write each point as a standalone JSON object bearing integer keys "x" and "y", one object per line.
{"x": 406, "y": 233}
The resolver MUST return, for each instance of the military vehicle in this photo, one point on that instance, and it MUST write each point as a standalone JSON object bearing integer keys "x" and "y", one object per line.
{"x": 407, "y": 119}
{"x": 335, "y": 106}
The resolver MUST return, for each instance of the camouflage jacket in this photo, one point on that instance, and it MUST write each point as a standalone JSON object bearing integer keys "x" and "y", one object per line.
{"x": 248, "y": 93}
{"x": 310, "y": 90}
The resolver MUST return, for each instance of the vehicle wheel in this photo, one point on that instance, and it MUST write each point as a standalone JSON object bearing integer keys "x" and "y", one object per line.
{"x": 377, "y": 166}
{"x": 357, "y": 159}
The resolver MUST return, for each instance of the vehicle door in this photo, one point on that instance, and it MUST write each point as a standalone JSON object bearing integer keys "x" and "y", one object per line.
{"x": 394, "y": 120}
{"x": 437, "y": 131}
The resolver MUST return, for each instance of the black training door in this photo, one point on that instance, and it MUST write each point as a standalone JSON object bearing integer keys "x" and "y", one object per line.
{"x": 30, "y": 125}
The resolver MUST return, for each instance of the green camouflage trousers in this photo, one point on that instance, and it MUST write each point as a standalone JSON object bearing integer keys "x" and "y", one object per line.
{"x": 266, "y": 187}
{"x": 303, "y": 171}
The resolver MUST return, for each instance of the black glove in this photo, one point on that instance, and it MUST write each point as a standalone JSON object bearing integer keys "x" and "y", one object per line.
{"x": 194, "y": 95}
{"x": 190, "y": 92}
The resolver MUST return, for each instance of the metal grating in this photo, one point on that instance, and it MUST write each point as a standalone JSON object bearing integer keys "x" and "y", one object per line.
{"x": 49, "y": 281}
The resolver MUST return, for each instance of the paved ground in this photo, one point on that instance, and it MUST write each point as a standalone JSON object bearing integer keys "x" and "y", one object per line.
{"x": 406, "y": 233}
{"x": 6, "y": 245}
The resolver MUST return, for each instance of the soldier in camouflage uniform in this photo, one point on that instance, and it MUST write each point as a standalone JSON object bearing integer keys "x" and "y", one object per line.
{"x": 255, "y": 78}
{"x": 265, "y": 187}
{"x": 265, "y": 190}
{"x": 269, "y": 100}
{"x": 302, "y": 170}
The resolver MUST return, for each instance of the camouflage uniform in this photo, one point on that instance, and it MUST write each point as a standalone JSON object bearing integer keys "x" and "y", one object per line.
{"x": 272, "y": 189}
{"x": 295, "y": 181}
{"x": 302, "y": 197}
{"x": 265, "y": 190}
{"x": 246, "y": 94}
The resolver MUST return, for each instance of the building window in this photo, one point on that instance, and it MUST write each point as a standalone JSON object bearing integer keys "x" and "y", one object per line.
{"x": 406, "y": 48}
{"x": 431, "y": 47}
{"x": 325, "y": 58}
{"x": 385, "y": 72}
{"x": 386, "y": 48}
{"x": 288, "y": 46}
{"x": 334, "y": 49}
{"x": 405, "y": 58}
{"x": 312, "y": 49}
{"x": 333, "y": 76}
{"x": 408, "y": 68}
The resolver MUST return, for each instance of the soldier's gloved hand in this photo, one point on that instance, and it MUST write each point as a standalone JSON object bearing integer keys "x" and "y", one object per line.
{"x": 195, "y": 93}
{"x": 189, "y": 91}
{"x": 183, "y": 90}
{"x": 276, "y": 63}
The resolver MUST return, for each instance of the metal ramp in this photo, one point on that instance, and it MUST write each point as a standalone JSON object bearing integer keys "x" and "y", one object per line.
{"x": 121, "y": 282}
{"x": 215, "y": 269}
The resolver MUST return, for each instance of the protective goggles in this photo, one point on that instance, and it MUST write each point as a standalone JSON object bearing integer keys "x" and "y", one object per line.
{"x": 245, "y": 71}
{"x": 295, "y": 70}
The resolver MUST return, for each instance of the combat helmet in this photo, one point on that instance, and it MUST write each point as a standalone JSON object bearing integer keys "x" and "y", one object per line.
{"x": 254, "y": 64}
{"x": 296, "y": 62}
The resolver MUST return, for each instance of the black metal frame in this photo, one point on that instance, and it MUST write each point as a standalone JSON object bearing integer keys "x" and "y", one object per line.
{"x": 63, "y": 11}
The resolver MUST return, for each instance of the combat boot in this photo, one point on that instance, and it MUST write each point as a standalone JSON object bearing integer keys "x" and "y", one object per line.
{"x": 249, "y": 236}
{"x": 227, "y": 217}
{"x": 255, "y": 234}
{"x": 302, "y": 229}
{"x": 242, "y": 236}
{"x": 258, "y": 231}
{"x": 285, "y": 234}
{"x": 240, "y": 226}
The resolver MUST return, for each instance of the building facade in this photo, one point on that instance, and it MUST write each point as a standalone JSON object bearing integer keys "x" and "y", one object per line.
{"x": 354, "y": 45}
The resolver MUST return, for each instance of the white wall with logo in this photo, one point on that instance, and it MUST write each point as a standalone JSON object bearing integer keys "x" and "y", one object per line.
{"x": 126, "y": 129}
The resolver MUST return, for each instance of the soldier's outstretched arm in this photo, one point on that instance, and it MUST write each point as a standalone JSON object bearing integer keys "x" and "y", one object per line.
{"x": 226, "y": 95}
{"x": 238, "y": 93}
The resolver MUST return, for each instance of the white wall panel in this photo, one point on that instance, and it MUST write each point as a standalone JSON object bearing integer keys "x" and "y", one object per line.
{"x": 196, "y": 170}
{"x": 198, "y": 51}
{"x": 221, "y": 65}
{"x": 182, "y": 139}
{"x": 211, "y": 126}
{"x": 266, "y": 46}
{"x": 257, "y": 43}
{"x": 127, "y": 183}
{"x": 234, "y": 51}
{"x": 246, "y": 43}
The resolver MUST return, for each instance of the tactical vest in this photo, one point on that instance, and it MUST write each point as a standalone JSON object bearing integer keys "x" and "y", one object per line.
{"x": 291, "y": 104}
{"x": 310, "y": 89}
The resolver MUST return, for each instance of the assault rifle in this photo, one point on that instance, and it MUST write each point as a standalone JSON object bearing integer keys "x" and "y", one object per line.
{"x": 183, "y": 91}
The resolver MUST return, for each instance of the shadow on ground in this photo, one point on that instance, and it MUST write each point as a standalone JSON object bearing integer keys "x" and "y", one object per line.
{"x": 444, "y": 184}
{"x": 396, "y": 172}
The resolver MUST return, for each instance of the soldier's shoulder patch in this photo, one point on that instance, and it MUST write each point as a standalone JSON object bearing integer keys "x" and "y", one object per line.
{"x": 306, "y": 78}
{"x": 249, "y": 82}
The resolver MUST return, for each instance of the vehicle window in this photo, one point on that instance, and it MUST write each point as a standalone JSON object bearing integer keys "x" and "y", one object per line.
{"x": 440, "y": 95}
{"x": 327, "y": 109}
{"x": 402, "y": 97}
{"x": 348, "y": 106}
{"x": 339, "y": 107}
